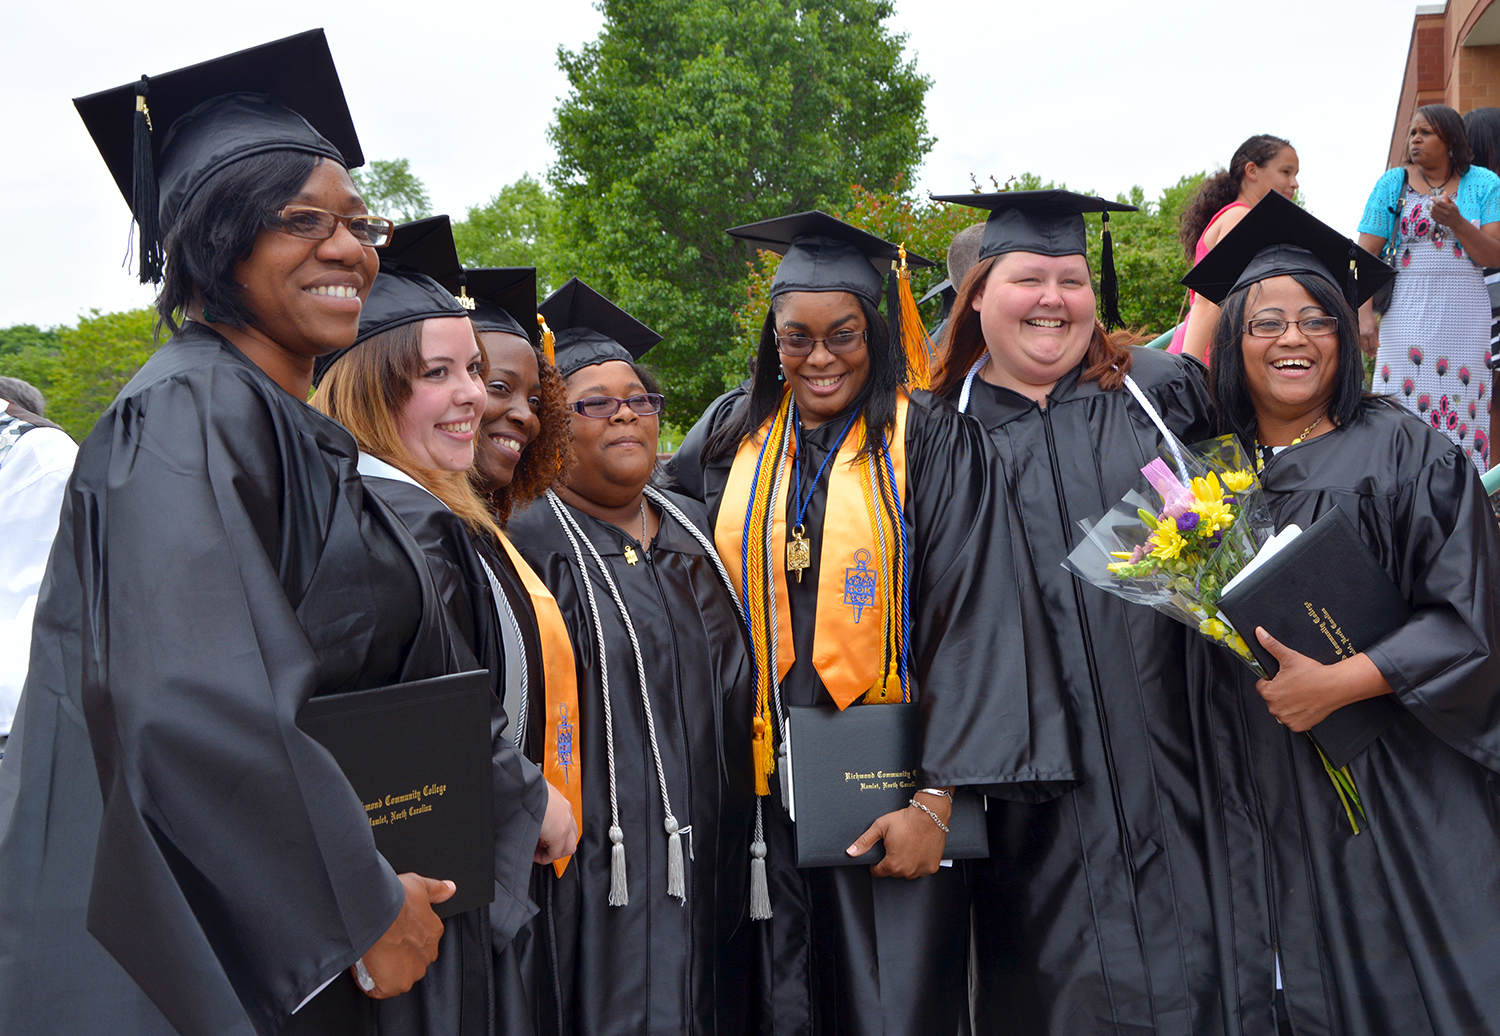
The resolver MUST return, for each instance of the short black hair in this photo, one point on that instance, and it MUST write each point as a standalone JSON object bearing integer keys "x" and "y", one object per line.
{"x": 1231, "y": 391}
{"x": 1450, "y": 127}
{"x": 218, "y": 229}
{"x": 876, "y": 398}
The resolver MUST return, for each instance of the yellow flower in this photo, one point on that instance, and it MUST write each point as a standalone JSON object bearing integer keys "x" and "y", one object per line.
{"x": 1167, "y": 542}
{"x": 1213, "y": 628}
{"x": 1238, "y": 481}
{"x": 1212, "y": 516}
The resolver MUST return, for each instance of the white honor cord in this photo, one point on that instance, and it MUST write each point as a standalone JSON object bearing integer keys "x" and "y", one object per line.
{"x": 506, "y": 613}
{"x": 1171, "y": 440}
{"x": 675, "y": 887}
{"x": 963, "y": 397}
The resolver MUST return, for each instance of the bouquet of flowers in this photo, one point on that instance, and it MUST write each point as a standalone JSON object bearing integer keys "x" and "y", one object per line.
{"x": 1176, "y": 553}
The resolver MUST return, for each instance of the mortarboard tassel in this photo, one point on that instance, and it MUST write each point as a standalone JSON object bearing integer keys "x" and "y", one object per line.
{"x": 143, "y": 189}
{"x": 1108, "y": 285}
{"x": 909, "y": 329}
{"x": 1351, "y": 280}
{"x": 549, "y": 340}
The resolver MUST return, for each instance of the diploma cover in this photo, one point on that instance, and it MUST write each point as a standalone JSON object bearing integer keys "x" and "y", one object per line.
{"x": 418, "y": 756}
{"x": 850, "y": 767}
{"x": 1325, "y": 595}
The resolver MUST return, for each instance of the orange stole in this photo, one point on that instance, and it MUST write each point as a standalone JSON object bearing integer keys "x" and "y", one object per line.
{"x": 848, "y": 637}
{"x": 562, "y": 762}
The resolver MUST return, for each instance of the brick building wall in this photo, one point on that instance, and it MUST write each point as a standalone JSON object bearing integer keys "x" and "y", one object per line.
{"x": 1453, "y": 59}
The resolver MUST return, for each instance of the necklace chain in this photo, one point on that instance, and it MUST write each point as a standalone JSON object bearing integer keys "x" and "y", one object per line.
{"x": 1430, "y": 188}
{"x": 1260, "y": 460}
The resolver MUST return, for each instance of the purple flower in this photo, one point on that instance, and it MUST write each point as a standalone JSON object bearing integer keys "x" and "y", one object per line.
{"x": 1187, "y": 521}
{"x": 1216, "y": 538}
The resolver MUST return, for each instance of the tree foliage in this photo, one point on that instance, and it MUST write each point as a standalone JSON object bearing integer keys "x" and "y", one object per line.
{"x": 30, "y": 353}
{"x": 391, "y": 189}
{"x": 686, "y": 117}
{"x": 517, "y": 227}
{"x": 96, "y": 359}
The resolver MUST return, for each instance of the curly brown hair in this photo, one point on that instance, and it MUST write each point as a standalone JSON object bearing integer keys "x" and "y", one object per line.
{"x": 547, "y": 460}
{"x": 1223, "y": 187}
{"x": 1107, "y": 361}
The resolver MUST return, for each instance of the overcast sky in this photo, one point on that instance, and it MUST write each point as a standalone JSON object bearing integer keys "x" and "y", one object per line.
{"x": 1100, "y": 94}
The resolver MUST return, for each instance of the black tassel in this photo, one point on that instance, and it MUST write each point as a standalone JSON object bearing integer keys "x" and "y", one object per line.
{"x": 1107, "y": 283}
{"x": 144, "y": 191}
{"x": 1351, "y": 280}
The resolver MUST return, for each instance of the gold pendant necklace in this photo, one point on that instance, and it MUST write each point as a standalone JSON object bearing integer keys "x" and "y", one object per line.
{"x": 798, "y": 552}
{"x": 1260, "y": 459}
{"x": 631, "y": 557}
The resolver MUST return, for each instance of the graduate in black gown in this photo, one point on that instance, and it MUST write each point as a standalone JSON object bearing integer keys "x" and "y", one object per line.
{"x": 1395, "y": 929}
{"x": 883, "y": 949}
{"x": 176, "y": 856}
{"x": 411, "y": 392}
{"x": 1093, "y": 912}
{"x": 647, "y": 930}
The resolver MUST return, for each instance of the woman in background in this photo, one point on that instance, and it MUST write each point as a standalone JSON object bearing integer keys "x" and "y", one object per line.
{"x": 1260, "y": 165}
{"x": 1482, "y": 127}
{"x": 1441, "y": 214}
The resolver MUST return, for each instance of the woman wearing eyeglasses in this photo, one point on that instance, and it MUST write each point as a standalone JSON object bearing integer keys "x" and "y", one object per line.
{"x": 176, "y": 855}
{"x": 645, "y": 931}
{"x": 872, "y": 556}
{"x": 1384, "y": 917}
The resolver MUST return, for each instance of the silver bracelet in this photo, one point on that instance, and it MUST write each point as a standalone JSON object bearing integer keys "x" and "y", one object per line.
{"x": 936, "y": 791}
{"x": 362, "y": 973}
{"x": 931, "y": 814}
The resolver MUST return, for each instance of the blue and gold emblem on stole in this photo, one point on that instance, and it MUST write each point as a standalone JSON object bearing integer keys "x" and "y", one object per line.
{"x": 564, "y": 743}
{"x": 860, "y": 584}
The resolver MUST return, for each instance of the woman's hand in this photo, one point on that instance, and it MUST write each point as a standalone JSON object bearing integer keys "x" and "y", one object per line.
{"x": 913, "y": 843}
{"x": 559, "y": 835}
{"x": 400, "y": 958}
{"x": 1305, "y": 691}
{"x": 1445, "y": 211}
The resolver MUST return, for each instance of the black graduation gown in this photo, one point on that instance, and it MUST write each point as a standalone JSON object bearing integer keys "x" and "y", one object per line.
{"x": 1092, "y": 914}
{"x": 217, "y": 564}
{"x": 458, "y": 993}
{"x": 1397, "y": 930}
{"x": 845, "y": 952}
{"x": 655, "y": 965}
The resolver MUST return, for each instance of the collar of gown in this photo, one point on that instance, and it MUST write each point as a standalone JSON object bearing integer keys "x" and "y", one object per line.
{"x": 374, "y": 467}
{"x": 994, "y": 405}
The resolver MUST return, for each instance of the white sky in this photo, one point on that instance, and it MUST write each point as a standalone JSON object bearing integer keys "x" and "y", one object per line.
{"x": 1100, "y": 94}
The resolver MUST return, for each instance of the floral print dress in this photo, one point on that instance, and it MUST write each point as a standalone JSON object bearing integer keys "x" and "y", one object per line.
{"x": 1434, "y": 340}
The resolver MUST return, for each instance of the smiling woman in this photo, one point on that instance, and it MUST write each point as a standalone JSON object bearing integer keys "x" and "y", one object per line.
{"x": 166, "y": 828}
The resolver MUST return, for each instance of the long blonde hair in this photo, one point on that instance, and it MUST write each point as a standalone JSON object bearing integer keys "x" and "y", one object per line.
{"x": 365, "y": 391}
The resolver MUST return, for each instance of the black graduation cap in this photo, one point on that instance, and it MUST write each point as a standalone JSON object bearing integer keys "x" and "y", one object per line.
{"x": 1046, "y": 223}
{"x": 822, "y": 253}
{"x": 503, "y": 298}
{"x": 591, "y": 329}
{"x": 409, "y": 286}
{"x": 1279, "y": 237}
{"x": 166, "y": 136}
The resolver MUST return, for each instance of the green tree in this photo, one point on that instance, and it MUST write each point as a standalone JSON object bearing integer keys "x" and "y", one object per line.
{"x": 391, "y": 189}
{"x": 97, "y": 358}
{"x": 685, "y": 117}
{"x": 517, "y": 227}
{"x": 30, "y": 353}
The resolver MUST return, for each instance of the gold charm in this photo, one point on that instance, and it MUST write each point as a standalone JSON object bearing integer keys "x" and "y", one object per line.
{"x": 630, "y": 555}
{"x": 798, "y": 553}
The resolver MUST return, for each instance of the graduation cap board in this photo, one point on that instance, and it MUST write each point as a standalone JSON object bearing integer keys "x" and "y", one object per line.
{"x": 409, "y": 286}
{"x": 590, "y": 329}
{"x": 165, "y": 137}
{"x": 1278, "y": 237}
{"x": 499, "y": 298}
{"x": 1046, "y": 223}
{"x": 822, "y": 253}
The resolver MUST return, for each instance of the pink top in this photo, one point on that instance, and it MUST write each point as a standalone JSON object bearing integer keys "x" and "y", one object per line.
{"x": 1199, "y": 251}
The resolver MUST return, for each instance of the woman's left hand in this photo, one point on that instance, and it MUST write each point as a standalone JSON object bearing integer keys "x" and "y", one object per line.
{"x": 1445, "y": 211}
{"x": 1305, "y": 692}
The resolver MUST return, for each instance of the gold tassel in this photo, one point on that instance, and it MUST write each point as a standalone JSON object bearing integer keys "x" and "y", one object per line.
{"x": 761, "y": 757}
{"x": 914, "y": 338}
{"x": 549, "y": 340}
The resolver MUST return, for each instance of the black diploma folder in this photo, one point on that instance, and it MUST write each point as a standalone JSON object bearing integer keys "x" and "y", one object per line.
{"x": 418, "y": 757}
{"x": 1326, "y": 596}
{"x": 850, "y": 767}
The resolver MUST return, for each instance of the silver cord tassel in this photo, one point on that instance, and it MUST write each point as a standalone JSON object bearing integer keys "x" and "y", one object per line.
{"x": 619, "y": 892}
{"x": 760, "y": 894}
{"x": 676, "y": 876}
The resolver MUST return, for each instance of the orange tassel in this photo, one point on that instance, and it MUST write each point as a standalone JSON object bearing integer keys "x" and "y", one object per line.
{"x": 549, "y": 340}
{"x": 915, "y": 341}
